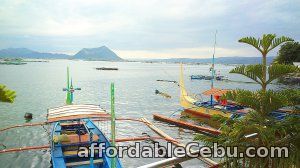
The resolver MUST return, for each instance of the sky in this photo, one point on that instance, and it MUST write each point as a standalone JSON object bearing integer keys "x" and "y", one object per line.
{"x": 142, "y": 29}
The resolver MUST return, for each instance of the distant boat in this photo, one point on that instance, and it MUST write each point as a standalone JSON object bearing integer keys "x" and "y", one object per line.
{"x": 198, "y": 77}
{"x": 222, "y": 78}
{"x": 204, "y": 77}
{"x": 163, "y": 94}
{"x": 107, "y": 69}
{"x": 162, "y": 80}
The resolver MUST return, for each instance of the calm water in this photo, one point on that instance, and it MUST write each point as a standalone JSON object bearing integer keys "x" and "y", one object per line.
{"x": 39, "y": 87}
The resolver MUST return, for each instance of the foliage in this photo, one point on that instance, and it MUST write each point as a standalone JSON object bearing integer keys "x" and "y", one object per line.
{"x": 288, "y": 53}
{"x": 255, "y": 72}
{"x": 270, "y": 132}
{"x": 7, "y": 95}
{"x": 264, "y": 45}
{"x": 265, "y": 102}
{"x": 267, "y": 43}
{"x": 267, "y": 130}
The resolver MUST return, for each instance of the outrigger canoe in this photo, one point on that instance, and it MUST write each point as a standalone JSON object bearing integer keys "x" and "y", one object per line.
{"x": 72, "y": 127}
{"x": 206, "y": 109}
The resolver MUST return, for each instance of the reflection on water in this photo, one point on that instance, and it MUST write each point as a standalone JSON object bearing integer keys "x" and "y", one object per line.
{"x": 39, "y": 86}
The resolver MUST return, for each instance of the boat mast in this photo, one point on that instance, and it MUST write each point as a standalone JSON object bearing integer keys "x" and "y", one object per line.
{"x": 113, "y": 122}
{"x": 69, "y": 89}
{"x": 213, "y": 69}
{"x": 68, "y": 100}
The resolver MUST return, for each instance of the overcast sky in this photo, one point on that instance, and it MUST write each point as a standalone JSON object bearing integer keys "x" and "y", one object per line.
{"x": 145, "y": 28}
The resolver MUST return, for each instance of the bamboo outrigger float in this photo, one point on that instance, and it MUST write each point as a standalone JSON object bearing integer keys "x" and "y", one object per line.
{"x": 174, "y": 160}
{"x": 186, "y": 125}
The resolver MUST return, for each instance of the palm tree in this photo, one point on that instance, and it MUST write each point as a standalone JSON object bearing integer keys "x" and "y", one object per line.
{"x": 7, "y": 95}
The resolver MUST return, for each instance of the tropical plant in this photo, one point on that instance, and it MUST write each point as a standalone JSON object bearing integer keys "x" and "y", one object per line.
{"x": 256, "y": 72}
{"x": 266, "y": 130}
{"x": 7, "y": 95}
{"x": 264, "y": 46}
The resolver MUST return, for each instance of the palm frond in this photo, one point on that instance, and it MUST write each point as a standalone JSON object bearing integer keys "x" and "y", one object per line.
{"x": 252, "y": 41}
{"x": 266, "y": 41}
{"x": 277, "y": 41}
{"x": 244, "y": 97}
{"x": 279, "y": 70}
{"x": 260, "y": 101}
{"x": 7, "y": 95}
{"x": 253, "y": 72}
{"x": 293, "y": 95}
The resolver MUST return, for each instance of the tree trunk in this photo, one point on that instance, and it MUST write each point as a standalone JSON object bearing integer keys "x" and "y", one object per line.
{"x": 264, "y": 78}
{"x": 264, "y": 72}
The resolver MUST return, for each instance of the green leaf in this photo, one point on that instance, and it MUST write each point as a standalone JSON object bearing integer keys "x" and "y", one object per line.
{"x": 277, "y": 41}
{"x": 251, "y": 41}
{"x": 260, "y": 101}
{"x": 267, "y": 43}
{"x": 253, "y": 72}
{"x": 7, "y": 95}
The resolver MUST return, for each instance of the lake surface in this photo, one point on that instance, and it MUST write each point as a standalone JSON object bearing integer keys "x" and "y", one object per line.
{"x": 39, "y": 87}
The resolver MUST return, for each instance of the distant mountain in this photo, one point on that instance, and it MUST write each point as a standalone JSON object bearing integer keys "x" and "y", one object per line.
{"x": 219, "y": 60}
{"x": 105, "y": 54}
{"x": 26, "y": 53}
{"x": 102, "y": 53}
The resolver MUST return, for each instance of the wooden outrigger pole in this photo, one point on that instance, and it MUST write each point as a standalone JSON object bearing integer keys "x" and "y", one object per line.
{"x": 24, "y": 149}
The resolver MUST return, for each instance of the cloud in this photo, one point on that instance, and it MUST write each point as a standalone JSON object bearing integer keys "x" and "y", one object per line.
{"x": 200, "y": 52}
{"x": 144, "y": 27}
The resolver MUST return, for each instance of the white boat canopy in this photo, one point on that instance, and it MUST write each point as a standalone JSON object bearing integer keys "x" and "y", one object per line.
{"x": 73, "y": 112}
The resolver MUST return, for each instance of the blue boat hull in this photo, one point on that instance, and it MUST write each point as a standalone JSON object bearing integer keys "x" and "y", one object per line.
{"x": 65, "y": 148}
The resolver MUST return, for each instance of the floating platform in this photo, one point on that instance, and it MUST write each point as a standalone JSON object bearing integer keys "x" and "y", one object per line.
{"x": 186, "y": 125}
